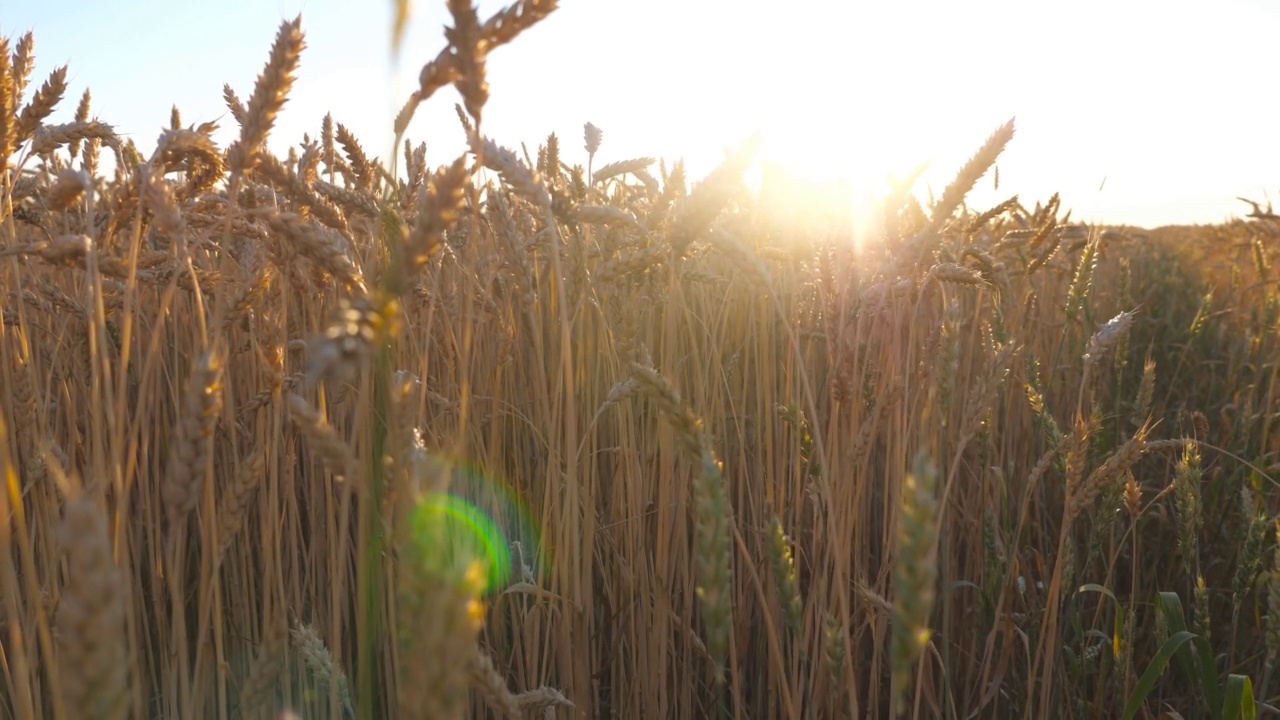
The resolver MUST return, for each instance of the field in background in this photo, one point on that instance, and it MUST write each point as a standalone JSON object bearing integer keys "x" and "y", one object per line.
{"x": 502, "y": 437}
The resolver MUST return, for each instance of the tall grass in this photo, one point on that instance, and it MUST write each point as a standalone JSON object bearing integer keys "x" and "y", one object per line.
{"x": 507, "y": 436}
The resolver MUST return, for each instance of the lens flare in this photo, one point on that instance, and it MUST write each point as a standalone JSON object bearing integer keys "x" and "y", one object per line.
{"x": 477, "y": 519}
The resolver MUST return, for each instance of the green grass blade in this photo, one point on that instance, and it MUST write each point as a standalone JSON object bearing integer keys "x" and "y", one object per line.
{"x": 1095, "y": 587}
{"x": 1171, "y": 607}
{"x": 1154, "y": 670}
{"x": 1239, "y": 703}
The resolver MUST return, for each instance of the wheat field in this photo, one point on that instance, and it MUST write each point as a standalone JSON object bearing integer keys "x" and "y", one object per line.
{"x": 318, "y": 435}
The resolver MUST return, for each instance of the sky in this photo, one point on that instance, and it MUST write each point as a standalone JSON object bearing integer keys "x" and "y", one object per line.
{"x": 1138, "y": 112}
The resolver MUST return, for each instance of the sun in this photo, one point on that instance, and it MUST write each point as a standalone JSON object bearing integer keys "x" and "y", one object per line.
{"x": 818, "y": 180}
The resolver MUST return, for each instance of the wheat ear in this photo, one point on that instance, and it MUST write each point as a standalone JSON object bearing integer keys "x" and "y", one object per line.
{"x": 41, "y": 105}
{"x": 269, "y": 95}
{"x": 8, "y": 122}
{"x": 189, "y": 454}
{"x": 91, "y": 619}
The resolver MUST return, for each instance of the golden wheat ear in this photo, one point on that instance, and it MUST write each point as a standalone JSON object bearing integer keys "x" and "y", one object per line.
{"x": 189, "y": 455}
{"x": 269, "y": 96}
{"x": 93, "y": 660}
{"x": 8, "y": 119}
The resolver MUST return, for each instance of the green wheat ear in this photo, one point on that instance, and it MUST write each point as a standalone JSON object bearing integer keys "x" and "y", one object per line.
{"x": 439, "y": 584}
{"x": 714, "y": 560}
{"x": 914, "y": 575}
{"x": 784, "y": 576}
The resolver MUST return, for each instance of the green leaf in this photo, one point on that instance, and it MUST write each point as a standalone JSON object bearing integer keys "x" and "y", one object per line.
{"x": 1171, "y": 607}
{"x": 1239, "y": 703}
{"x": 961, "y": 584}
{"x": 1154, "y": 670}
{"x": 1095, "y": 587}
{"x": 1114, "y": 639}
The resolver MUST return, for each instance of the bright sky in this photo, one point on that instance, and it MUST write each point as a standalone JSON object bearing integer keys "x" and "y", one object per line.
{"x": 1171, "y": 102}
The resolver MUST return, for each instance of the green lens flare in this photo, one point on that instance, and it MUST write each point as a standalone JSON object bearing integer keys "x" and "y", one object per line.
{"x": 450, "y": 533}
{"x": 476, "y": 517}
{"x": 502, "y": 503}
